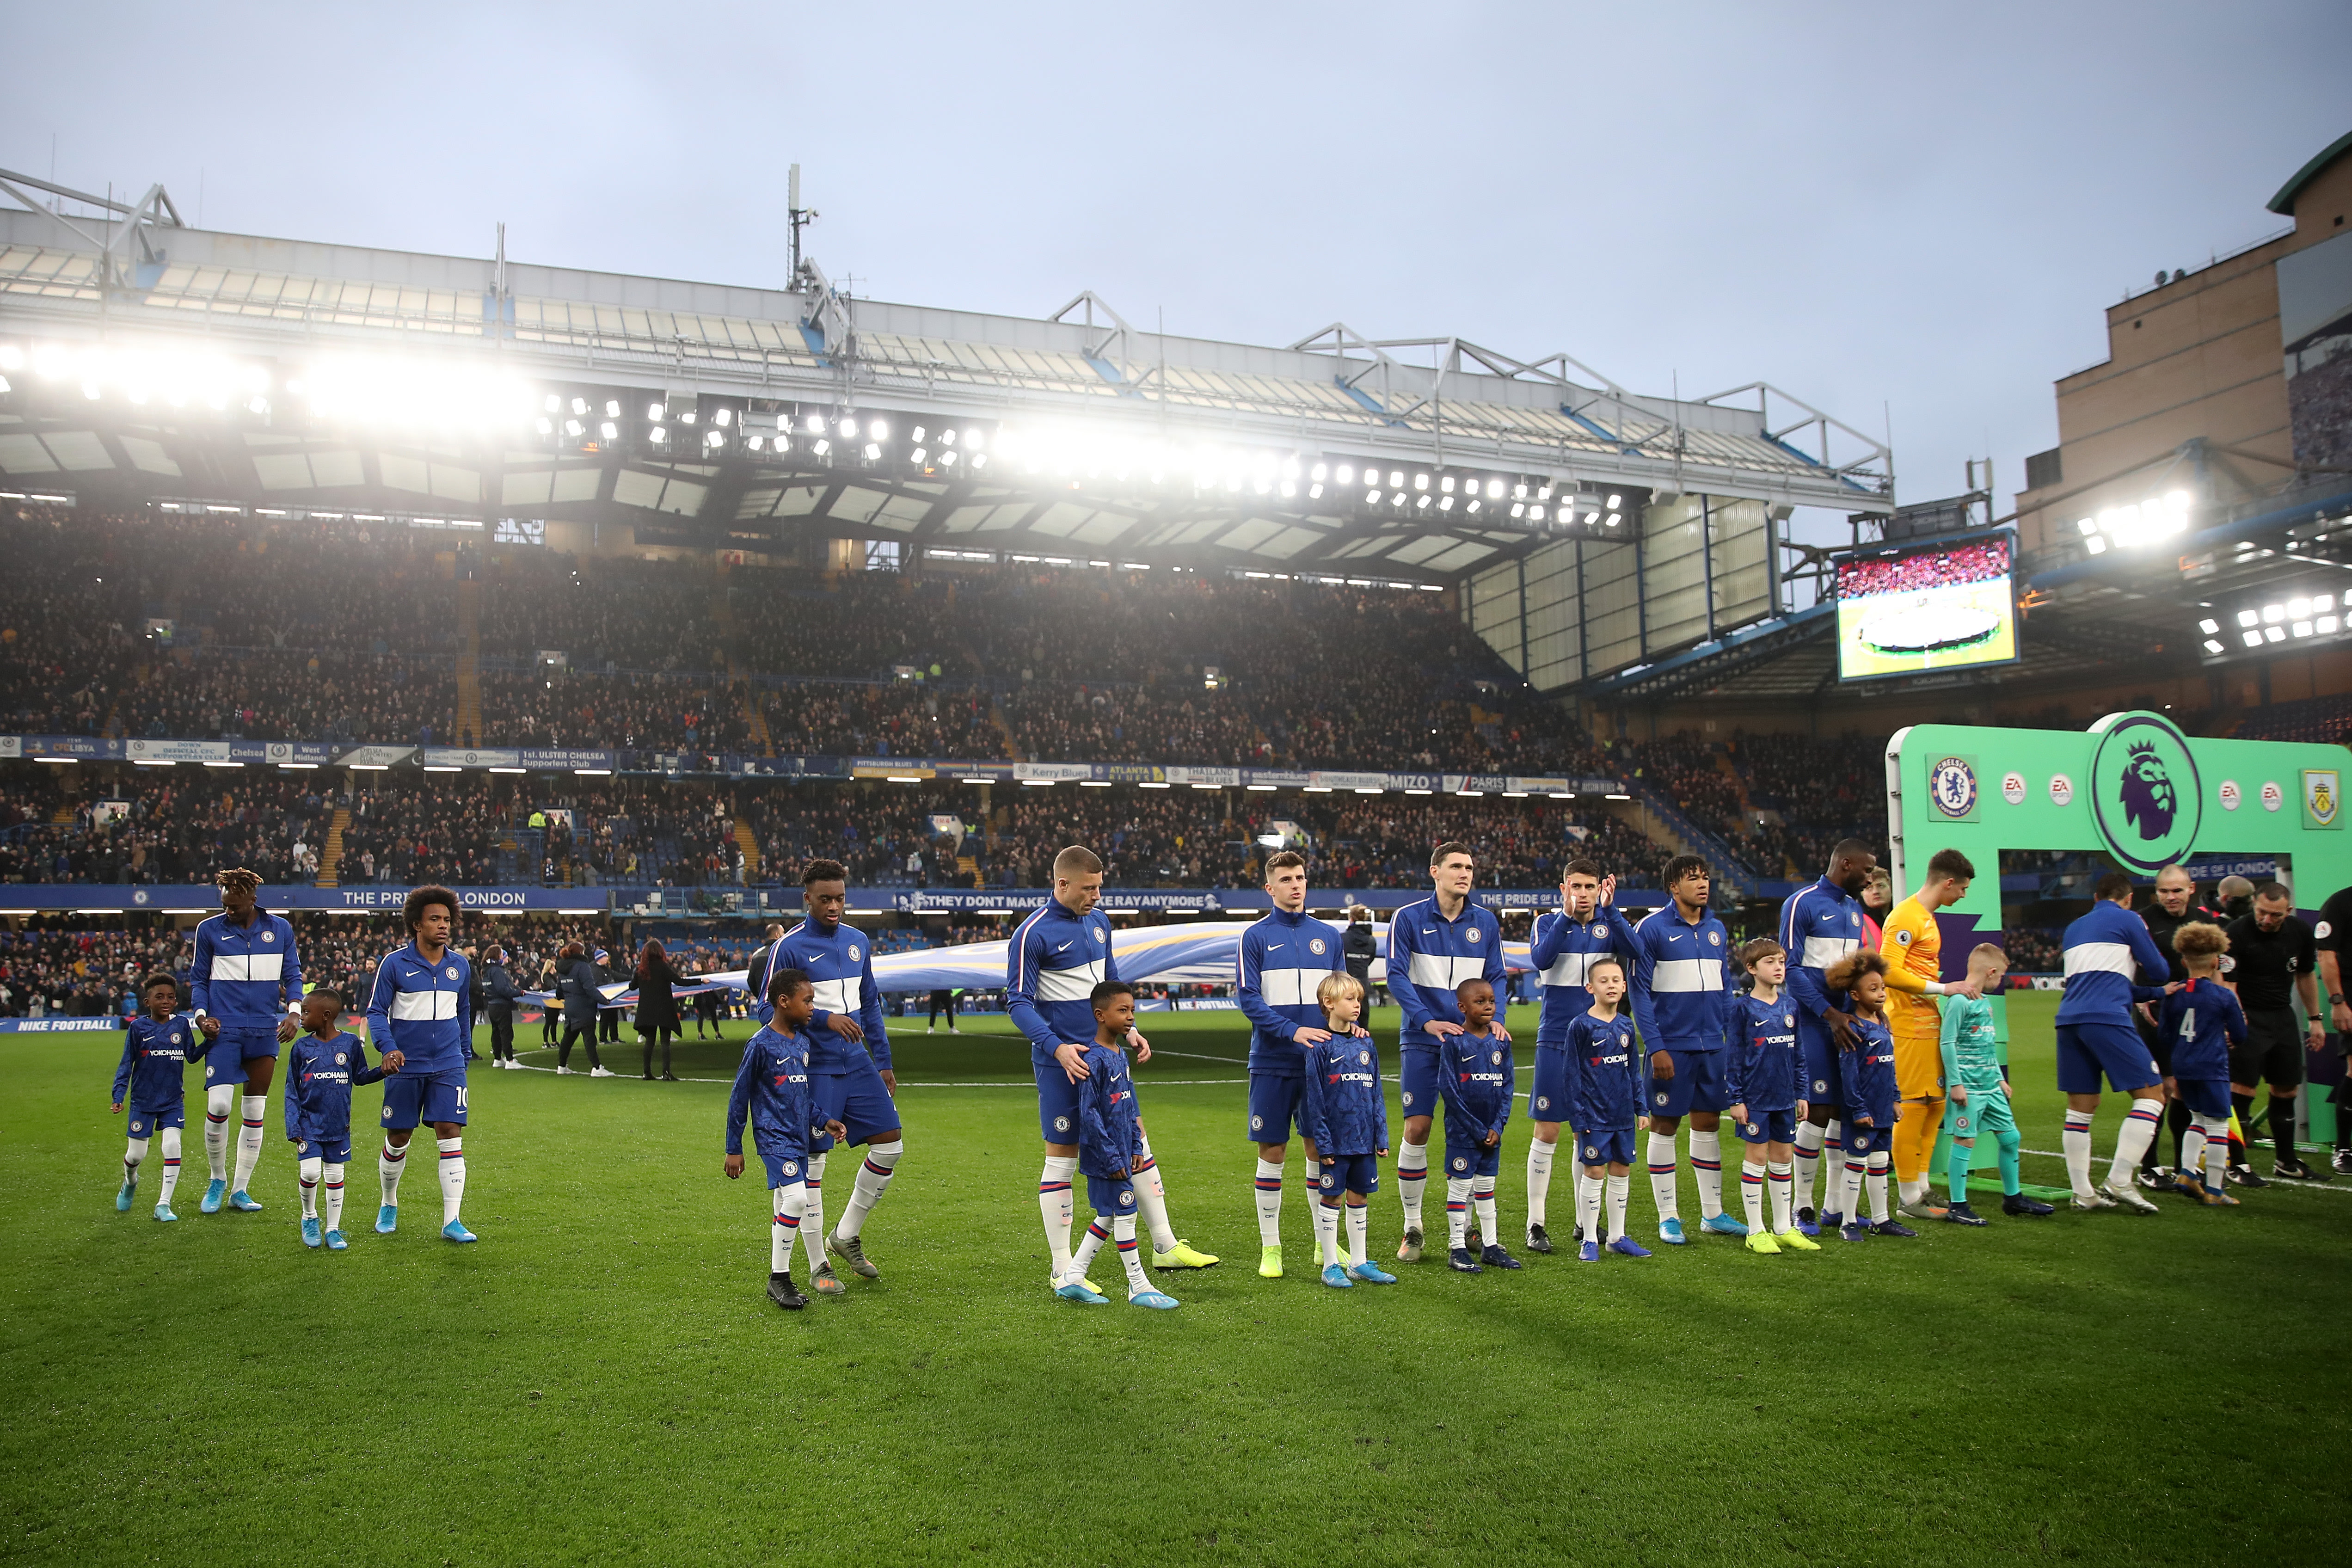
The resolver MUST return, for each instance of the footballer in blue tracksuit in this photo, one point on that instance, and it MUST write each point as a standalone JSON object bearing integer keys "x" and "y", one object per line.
{"x": 157, "y": 1047}
{"x": 1283, "y": 956}
{"x": 1435, "y": 945}
{"x": 422, "y": 1005}
{"x": 243, "y": 984}
{"x": 1562, "y": 949}
{"x": 1682, "y": 999}
{"x": 1052, "y": 964}
{"x": 1820, "y": 923}
{"x": 2103, "y": 952}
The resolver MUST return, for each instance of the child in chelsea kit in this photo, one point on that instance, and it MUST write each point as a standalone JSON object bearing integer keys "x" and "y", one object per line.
{"x": 1604, "y": 1107}
{"x": 1866, "y": 1087}
{"x": 1110, "y": 1142}
{"x": 323, "y": 1065}
{"x": 155, "y": 1054}
{"x": 771, "y": 1089}
{"x": 1476, "y": 1079}
{"x": 1766, "y": 1083}
{"x": 2204, "y": 1020}
{"x": 1349, "y": 1117}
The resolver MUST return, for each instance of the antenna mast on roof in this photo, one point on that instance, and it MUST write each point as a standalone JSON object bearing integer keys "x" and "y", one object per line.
{"x": 800, "y": 216}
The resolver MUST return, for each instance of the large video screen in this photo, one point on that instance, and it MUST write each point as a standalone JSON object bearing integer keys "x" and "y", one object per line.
{"x": 1911, "y": 612}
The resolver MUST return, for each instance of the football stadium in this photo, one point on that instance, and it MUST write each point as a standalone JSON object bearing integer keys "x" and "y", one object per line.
{"x": 1309, "y": 775}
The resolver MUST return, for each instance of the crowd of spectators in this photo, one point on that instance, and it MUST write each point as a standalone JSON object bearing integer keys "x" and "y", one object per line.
{"x": 160, "y": 828}
{"x": 45, "y": 972}
{"x": 2031, "y": 952}
{"x": 1807, "y": 793}
{"x": 1930, "y": 569}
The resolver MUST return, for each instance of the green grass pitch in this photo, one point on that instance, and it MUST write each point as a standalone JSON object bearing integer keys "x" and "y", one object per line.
{"x": 600, "y": 1380}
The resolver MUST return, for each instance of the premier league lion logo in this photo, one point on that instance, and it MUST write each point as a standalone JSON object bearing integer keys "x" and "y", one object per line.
{"x": 2145, "y": 788}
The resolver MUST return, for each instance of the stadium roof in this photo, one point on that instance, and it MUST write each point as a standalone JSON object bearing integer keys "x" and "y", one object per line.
{"x": 1108, "y": 439}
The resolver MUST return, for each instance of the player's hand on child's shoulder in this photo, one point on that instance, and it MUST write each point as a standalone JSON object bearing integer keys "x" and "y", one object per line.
{"x": 1072, "y": 1057}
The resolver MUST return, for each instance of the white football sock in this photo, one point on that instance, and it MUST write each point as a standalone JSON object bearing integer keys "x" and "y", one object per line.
{"x": 1130, "y": 1252}
{"x": 220, "y": 1103}
{"x": 1151, "y": 1197}
{"x": 1806, "y": 1162}
{"x": 1358, "y": 1227}
{"x": 1054, "y": 1204}
{"x": 1857, "y": 1168}
{"x": 1588, "y": 1204}
{"x": 1327, "y": 1220}
{"x": 813, "y": 1215}
{"x": 1875, "y": 1175}
{"x": 1706, "y": 1165}
{"x": 2139, "y": 1132}
{"x": 1327, "y": 1230}
{"x": 171, "y": 1167}
{"x": 306, "y": 1171}
{"x": 1751, "y": 1192}
{"x": 453, "y": 1176}
{"x": 1618, "y": 1189}
{"x": 1089, "y": 1244}
{"x": 333, "y": 1179}
{"x": 1457, "y": 1213}
{"x": 1413, "y": 1176}
{"x": 1780, "y": 1178}
{"x": 1539, "y": 1155}
{"x": 784, "y": 1227}
{"x": 1580, "y": 1182}
{"x": 132, "y": 1154}
{"x": 2216, "y": 1152}
{"x": 248, "y": 1141}
{"x": 1482, "y": 1197}
{"x": 388, "y": 1168}
{"x": 1662, "y": 1176}
{"x": 2076, "y": 1143}
{"x": 1269, "y": 1203}
{"x": 872, "y": 1180}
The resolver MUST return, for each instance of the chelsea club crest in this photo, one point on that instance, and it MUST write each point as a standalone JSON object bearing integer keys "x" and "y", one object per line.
{"x": 1952, "y": 785}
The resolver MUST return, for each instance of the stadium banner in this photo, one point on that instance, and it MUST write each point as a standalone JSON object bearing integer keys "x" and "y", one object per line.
{"x": 560, "y": 760}
{"x": 61, "y": 1026}
{"x": 453, "y": 757}
{"x": 783, "y": 767}
{"x": 939, "y": 900}
{"x": 374, "y": 757}
{"x": 1047, "y": 773}
{"x": 202, "y": 897}
{"x": 1222, "y": 778}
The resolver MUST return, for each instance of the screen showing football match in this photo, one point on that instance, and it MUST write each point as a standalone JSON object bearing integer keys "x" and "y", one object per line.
{"x": 1912, "y": 612}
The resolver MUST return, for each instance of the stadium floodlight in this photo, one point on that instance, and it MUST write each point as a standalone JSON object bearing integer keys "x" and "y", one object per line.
{"x": 1494, "y": 489}
{"x": 572, "y": 428}
{"x": 2097, "y": 546}
{"x": 1421, "y": 481}
{"x": 873, "y": 451}
{"x": 848, "y": 428}
{"x": 1038, "y": 784}
{"x": 609, "y": 431}
{"x": 2273, "y": 613}
{"x": 757, "y": 443}
{"x": 432, "y": 768}
{"x": 1372, "y": 498}
{"x": 2298, "y": 609}
{"x": 1322, "y": 471}
{"x": 1259, "y": 789}
{"x": 724, "y": 416}
{"x": 815, "y": 426}
{"x": 2212, "y": 646}
{"x": 2274, "y": 633}
{"x": 1616, "y": 503}
{"x": 1345, "y": 474}
{"x": 947, "y": 438}
{"x": 611, "y": 408}
{"x": 2301, "y": 629}
{"x": 2253, "y": 639}
{"x": 975, "y": 439}
{"x": 656, "y": 413}
{"x": 821, "y": 448}
{"x": 659, "y": 433}
{"x": 553, "y": 405}
{"x": 920, "y": 455}
{"x": 546, "y": 426}
{"x": 11, "y": 357}
{"x": 1155, "y": 784}
{"x": 1445, "y": 503}
{"x": 1614, "y": 520}
{"x": 1420, "y": 505}
{"x": 1473, "y": 507}
{"x": 2250, "y": 617}
{"x": 1535, "y": 512}
{"x": 1135, "y": 566}
{"x": 152, "y": 763}
{"x": 1315, "y": 492}
{"x": 2328, "y": 625}
{"x": 1446, "y": 484}
{"x": 579, "y": 405}
{"x": 1519, "y": 509}
{"x": 2208, "y": 626}
{"x": 1094, "y": 783}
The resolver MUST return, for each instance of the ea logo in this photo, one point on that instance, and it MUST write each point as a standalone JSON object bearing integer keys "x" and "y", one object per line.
{"x": 1952, "y": 785}
{"x": 853, "y": 955}
{"x": 2012, "y": 788}
{"x": 1061, "y": 1124}
{"x": 2230, "y": 795}
{"x": 2272, "y": 796}
{"x": 2062, "y": 790}
{"x": 1315, "y": 945}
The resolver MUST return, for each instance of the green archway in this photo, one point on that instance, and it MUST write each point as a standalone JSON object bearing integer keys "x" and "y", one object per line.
{"x": 2132, "y": 786}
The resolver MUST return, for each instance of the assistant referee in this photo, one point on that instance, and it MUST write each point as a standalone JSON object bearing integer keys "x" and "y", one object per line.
{"x": 2272, "y": 956}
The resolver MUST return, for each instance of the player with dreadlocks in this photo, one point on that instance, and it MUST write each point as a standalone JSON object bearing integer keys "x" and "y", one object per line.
{"x": 246, "y": 987}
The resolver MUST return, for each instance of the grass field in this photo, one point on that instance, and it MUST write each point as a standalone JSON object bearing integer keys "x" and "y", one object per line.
{"x": 600, "y": 1380}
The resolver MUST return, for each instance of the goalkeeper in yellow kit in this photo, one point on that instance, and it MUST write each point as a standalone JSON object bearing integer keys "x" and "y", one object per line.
{"x": 1913, "y": 949}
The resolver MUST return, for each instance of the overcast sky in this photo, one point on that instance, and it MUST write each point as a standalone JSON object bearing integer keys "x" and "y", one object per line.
{"x": 1892, "y": 215}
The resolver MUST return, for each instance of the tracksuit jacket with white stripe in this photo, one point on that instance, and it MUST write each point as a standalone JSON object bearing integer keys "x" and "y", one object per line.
{"x": 2104, "y": 950}
{"x": 1562, "y": 953}
{"x": 246, "y": 976}
{"x": 840, "y": 968}
{"x": 1052, "y": 966}
{"x": 1283, "y": 957}
{"x": 1820, "y": 924}
{"x": 1428, "y": 955}
{"x": 424, "y": 1011}
{"x": 1682, "y": 989}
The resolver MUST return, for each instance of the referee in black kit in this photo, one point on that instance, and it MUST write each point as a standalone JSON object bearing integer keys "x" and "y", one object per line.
{"x": 2271, "y": 956}
{"x": 2335, "y": 939}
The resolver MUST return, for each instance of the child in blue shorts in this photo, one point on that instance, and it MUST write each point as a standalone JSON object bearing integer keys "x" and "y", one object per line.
{"x": 323, "y": 1065}
{"x": 155, "y": 1052}
{"x": 1348, "y": 1114}
{"x": 1477, "y": 1080}
{"x": 1604, "y": 1106}
{"x": 1765, "y": 1078}
{"x": 2203, "y": 1019}
{"x": 1111, "y": 1145}
{"x": 1866, "y": 1085}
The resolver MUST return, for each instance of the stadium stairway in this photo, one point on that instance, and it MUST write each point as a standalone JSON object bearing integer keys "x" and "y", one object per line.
{"x": 996, "y": 717}
{"x": 1666, "y": 823}
{"x": 749, "y": 842}
{"x": 469, "y": 664}
{"x": 739, "y": 684}
{"x": 331, "y": 853}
